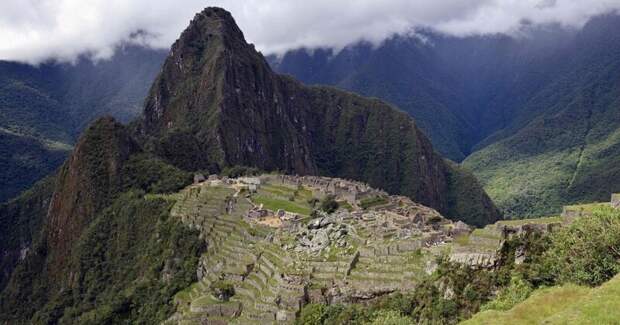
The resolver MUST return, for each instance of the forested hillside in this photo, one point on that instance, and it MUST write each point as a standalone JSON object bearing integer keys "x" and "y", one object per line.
{"x": 564, "y": 148}
{"x": 44, "y": 108}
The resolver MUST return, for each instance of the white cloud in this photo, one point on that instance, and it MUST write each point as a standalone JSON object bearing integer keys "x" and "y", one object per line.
{"x": 35, "y": 30}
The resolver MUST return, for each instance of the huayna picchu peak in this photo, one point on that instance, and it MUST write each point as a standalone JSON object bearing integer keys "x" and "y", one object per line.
{"x": 217, "y": 103}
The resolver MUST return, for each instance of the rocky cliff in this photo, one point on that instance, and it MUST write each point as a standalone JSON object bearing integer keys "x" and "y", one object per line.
{"x": 221, "y": 104}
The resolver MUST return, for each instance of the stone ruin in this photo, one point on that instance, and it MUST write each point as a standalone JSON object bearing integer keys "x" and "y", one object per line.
{"x": 320, "y": 233}
{"x": 348, "y": 190}
{"x": 508, "y": 231}
{"x": 199, "y": 178}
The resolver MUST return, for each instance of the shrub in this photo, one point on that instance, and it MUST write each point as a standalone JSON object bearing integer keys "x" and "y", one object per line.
{"x": 238, "y": 171}
{"x": 329, "y": 204}
{"x": 588, "y": 251}
{"x": 222, "y": 290}
{"x": 390, "y": 317}
{"x": 516, "y": 292}
{"x": 311, "y": 314}
{"x": 151, "y": 174}
{"x": 313, "y": 201}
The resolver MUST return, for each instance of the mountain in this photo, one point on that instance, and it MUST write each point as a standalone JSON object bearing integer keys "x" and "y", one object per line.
{"x": 564, "y": 148}
{"x": 43, "y": 109}
{"x": 217, "y": 103}
{"x": 89, "y": 232}
{"x": 459, "y": 90}
{"x": 108, "y": 248}
{"x": 519, "y": 111}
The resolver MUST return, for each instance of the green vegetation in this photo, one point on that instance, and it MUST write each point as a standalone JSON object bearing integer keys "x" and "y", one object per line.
{"x": 517, "y": 291}
{"x": 427, "y": 303}
{"x": 275, "y": 204}
{"x": 26, "y": 159}
{"x": 130, "y": 257}
{"x": 582, "y": 253}
{"x": 329, "y": 204}
{"x": 542, "y": 304}
{"x": 238, "y": 171}
{"x": 588, "y": 251}
{"x": 564, "y": 148}
{"x": 372, "y": 201}
{"x": 128, "y": 265}
{"x": 152, "y": 175}
{"x": 585, "y": 208}
{"x": 222, "y": 290}
{"x": 542, "y": 287}
{"x": 390, "y": 317}
{"x": 275, "y": 197}
{"x": 21, "y": 220}
{"x": 44, "y": 108}
{"x": 543, "y": 220}
{"x": 345, "y": 205}
{"x": 568, "y": 304}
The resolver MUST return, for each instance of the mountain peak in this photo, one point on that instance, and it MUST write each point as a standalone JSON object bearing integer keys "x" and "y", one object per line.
{"x": 211, "y": 58}
{"x": 213, "y": 27}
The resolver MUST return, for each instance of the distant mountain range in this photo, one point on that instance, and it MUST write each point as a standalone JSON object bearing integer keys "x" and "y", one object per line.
{"x": 43, "y": 109}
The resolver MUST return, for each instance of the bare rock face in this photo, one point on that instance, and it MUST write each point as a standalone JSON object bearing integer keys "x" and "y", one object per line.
{"x": 217, "y": 103}
{"x": 86, "y": 183}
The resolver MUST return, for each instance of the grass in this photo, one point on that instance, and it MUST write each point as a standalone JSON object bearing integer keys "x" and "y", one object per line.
{"x": 543, "y": 220}
{"x": 373, "y": 201}
{"x": 462, "y": 240}
{"x": 345, "y": 205}
{"x": 275, "y": 197}
{"x": 275, "y": 204}
{"x": 486, "y": 234}
{"x": 600, "y": 306}
{"x": 569, "y": 304}
{"x": 588, "y": 208}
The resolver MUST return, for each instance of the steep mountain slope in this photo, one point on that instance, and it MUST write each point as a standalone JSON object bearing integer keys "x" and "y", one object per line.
{"x": 21, "y": 220}
{"x": 87, "y": 182}
{"x": 25, "y": 160}
{"x": 564, "y": 148}
{"x": 219, "y": 99}
{"x": 43, "y": 109}
{"x": 89, "y": 233}
{"x": 459, "y": 90}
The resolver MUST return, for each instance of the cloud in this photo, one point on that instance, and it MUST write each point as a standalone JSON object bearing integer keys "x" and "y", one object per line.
{"x": 37, "y": 30}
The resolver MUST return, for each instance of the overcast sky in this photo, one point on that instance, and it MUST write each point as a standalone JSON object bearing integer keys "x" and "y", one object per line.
{"x": 36, "y": 30}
